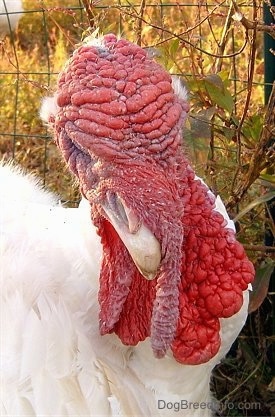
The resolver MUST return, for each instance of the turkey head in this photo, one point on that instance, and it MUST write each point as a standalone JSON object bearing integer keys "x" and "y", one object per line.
{"x": 171, "y": 266}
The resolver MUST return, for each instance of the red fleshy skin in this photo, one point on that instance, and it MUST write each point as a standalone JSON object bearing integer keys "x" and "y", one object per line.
{"x": 126, "y": 105}
{"x": 119, "y": 128}
{"x": 215, "y": 272}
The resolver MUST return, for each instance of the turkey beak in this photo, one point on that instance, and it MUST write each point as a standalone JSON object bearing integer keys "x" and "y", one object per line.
{"x": 140, "y": 242}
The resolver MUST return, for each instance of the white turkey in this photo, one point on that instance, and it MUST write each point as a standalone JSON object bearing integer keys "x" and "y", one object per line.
{"x": 123, "y": 306}
{"x": 10, "y": 14}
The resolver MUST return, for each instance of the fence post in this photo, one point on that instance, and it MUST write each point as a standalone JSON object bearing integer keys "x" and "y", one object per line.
{"x": 269, "y": 57}
{"x": 269, "y": 78}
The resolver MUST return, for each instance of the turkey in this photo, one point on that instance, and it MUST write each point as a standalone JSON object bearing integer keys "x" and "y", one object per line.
{"x": 122, "y": 306}
{"x": 10, "y": 14}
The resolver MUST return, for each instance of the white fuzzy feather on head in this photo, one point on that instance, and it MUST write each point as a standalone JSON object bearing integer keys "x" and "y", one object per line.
{"x": 49, "y": 109}
{"x": 179, "y": 89}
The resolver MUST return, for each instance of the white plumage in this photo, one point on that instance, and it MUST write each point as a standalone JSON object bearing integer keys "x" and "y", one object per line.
{"x": 10, "y": 14}
{"x": 53, "y": 360}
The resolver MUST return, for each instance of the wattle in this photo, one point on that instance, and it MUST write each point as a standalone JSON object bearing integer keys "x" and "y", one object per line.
{"x": 213, "y": 270}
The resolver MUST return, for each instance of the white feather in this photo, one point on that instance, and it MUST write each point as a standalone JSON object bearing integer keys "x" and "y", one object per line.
{"x": 53, "y": 360}
{"x": 179, "y": 89}
{"x": 49, "y": 108}
{"x": 10, "y": 14}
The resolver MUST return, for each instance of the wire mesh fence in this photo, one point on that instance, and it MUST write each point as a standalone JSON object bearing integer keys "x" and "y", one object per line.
{"x": 218, "y": 53}
{"x": 197, "y": 41}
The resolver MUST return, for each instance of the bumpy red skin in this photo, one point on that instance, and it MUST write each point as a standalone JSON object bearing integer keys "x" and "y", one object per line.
{"x": 119, "y": 128}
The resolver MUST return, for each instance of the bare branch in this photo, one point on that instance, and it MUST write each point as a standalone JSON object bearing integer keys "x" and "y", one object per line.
{"x": 180, "y": 36}
{"x": 238, "y": 16}
{"x": 259, "y": 248}
{"x": 261, "y": 158}
{"x": 250, "y": 75}
{"x": 89, "y": 7}
{"x": 139, "y": 21}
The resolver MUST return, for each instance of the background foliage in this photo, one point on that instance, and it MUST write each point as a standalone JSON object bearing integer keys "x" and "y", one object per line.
{"x": 217, "y": 49}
